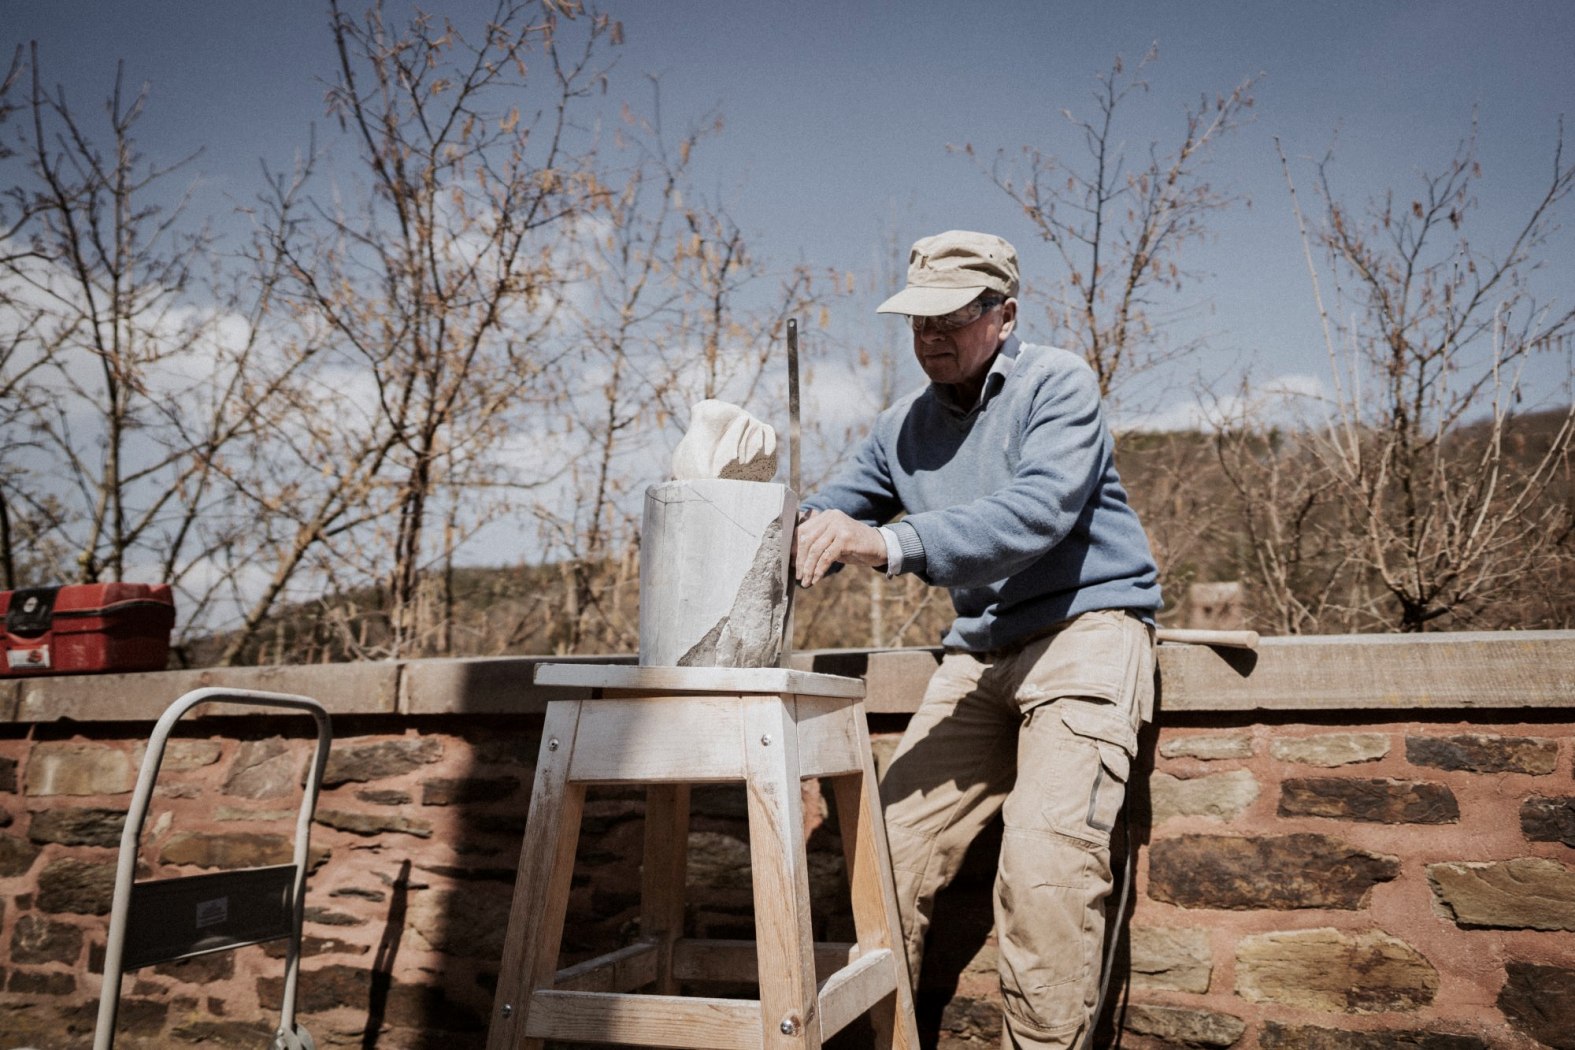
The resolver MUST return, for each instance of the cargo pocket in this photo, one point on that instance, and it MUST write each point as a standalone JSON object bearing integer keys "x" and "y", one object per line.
{"x": 1102, "y": 728}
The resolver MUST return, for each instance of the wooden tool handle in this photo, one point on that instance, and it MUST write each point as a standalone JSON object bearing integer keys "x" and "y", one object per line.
{"x": 1219, "y": 639}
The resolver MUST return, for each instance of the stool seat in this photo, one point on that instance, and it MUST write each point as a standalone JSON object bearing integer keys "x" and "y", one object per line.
{"x": 668, "y": 728}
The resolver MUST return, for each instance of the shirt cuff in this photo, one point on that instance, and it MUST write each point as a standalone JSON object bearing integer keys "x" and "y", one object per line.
{"x": 904, "y": 549}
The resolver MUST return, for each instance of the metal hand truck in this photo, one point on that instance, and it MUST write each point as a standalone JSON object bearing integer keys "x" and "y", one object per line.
{"x": 166, "y": 920}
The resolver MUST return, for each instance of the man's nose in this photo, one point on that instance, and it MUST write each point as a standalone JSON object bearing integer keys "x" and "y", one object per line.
{"x": 926, "y": 331}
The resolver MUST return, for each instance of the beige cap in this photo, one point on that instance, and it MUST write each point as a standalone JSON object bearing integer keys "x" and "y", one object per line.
{"x": 949, "y": 270}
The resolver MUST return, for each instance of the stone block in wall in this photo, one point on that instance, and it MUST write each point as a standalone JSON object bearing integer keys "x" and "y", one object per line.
{"x": 466, "y": 923}
{"x": 374, "y": 823}
{"x": 229, "y": 849}
{"x": 86, "y": 826}
{"x": 270, "y": 768}
{"x": 1374, "y": 801}
{"x": 57, "y": 768}
{"x": 1209, "y": 747}
{"x": 386, "y": 758}
{"x": 1222, "y": 796}
{"x": 1548, "y": 819}
{"x": 1179, "y": 1026}
{"x": 1527, "y": 893}
{"x": 1484, "y": 753}
{"x": 7, "y": 776}
{"x": 1279, "y": 872}
{"x": 76, "y": 886}
{"x": 37, "y": 939}
{"x": 218, "y": 1034}
{"x": 183, "y": 756}
{"x": 1172, "y": 960}
{"x": 35, "y": 982}
{"x": 1540, "y": 1001}
{"x": 1332, "y": 749}
{"x": 454, "y": 791}
{"x": 1326, "y": 969}
{"x": 385, "y": 797}
{"x": 16, "y": 856}
{"x": 1276, "y": 1036}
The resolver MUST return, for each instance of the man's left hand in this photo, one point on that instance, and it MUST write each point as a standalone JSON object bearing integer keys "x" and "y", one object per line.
{"x": 829, "y": 536}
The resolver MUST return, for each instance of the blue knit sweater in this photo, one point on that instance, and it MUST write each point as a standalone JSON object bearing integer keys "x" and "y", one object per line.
{"x": 1012, "y": 504}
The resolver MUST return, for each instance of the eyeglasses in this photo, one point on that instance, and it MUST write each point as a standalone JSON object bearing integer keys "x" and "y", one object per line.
{"x": 960, "y": 318}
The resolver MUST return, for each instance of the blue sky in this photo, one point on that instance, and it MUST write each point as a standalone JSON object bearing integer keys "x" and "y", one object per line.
{"x": 838, "y": 115}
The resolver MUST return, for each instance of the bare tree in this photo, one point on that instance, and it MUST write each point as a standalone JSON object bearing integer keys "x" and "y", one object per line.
{"x": 1121, "y": 224}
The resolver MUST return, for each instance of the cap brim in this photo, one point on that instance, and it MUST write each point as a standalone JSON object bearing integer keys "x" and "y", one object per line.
{"x": 929, "y": 302}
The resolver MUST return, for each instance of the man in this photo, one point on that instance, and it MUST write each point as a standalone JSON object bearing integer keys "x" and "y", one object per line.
{"x": 1003, "y": 473}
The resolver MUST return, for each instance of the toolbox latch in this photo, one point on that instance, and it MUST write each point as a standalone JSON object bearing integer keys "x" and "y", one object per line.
{"x": 31, "y": 611}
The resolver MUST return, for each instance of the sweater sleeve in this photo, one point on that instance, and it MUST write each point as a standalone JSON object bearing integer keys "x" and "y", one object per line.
{"x": 1062, "y": 455}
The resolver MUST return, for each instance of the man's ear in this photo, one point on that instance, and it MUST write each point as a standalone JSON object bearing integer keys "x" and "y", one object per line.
{"x": 1008, "y": 318}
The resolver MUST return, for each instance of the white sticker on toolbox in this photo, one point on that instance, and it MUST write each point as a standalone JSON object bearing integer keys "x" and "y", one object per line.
{"x": 21, "y": 659}
{"x": 211, "y": 913}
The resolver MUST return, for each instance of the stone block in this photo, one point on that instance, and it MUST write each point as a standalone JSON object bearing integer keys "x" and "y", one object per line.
{"x": 1222, "y": 796}
{"x": 88, "y": 826}
{"x": 183, "y": 756}
{"x": 1332, "y": 749}
{"x": 1540, "y": 1001}
{"x": 385, "y": 797}
{"x": 1484, "y": 753}
{"x": 218, "y": 1034}
{"x": 1277, "y": 1036}
{"x": 1279, "y": 872}
{"x": 333, "y": 986}
{"x": 1174, "y": 960}
{"x": 449, "y": 791}
{"x": 16, "y": 856}
{"x": 1376, "y": 801}
{"x": 375, "y": 823}
{"x": 1209, "y": 747}
{"x": 1179, "y": 1026}
{"x": 230, "y": 849}
{"x": 7, "y": 776}
{"x": 201, "y": 969}
{"x": 56, "y": 768}
{"x": 379, "y": 761}
{"x": 40, "y": 982}
{"x": 1325, "y": 969}
{"x": 1548, "y": 819}
{"x": 1528, "y": 893}
{"x": 75, "y": 886}
{"x": 468, "y": 923}
{"x": 264, "y": 769}
{"x": 37, "y": 939}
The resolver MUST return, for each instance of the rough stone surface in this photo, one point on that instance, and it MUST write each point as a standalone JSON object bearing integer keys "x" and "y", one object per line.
{"x": 1282, "y": 872}
{"x": 1528, "y": 893}
{"x": 16, "y": 856}
{"x": 1484, "y": 753}
{"x": 1276, "y": 1036}
{"x": 452, "y": 791}
{"x": 89, "y": 826}
{"x": 69, "y": 885}
{"x": 1170, "y": 959}
{"x": 1208, "y": 748}
{"x": 1332, "y": 749}
{"x": 333, "y": 986}
{"x": 79, "y": 769}
{"x": 463, "y": 923}
{"x": 1219, "y": 795}
{"x": 32, "y": 982}
{"x": 387, "y": 758}
{"x": 1180, "y": 1026}
{"x": 375, "y": 823}
{"x": 201, "y": 969}
{"x": 384, "y": 797}
{"x": 7, "y": 776}
{"x": 1540, "y": 1001}
{"x": 183, "y": 756}
{"x": 1324, "y": 969}
{"x": 1375, "y": 801}
{"x": 1548, "y": 819}
{"x": 39, "y": 940}
{"x": 268, "y": 768}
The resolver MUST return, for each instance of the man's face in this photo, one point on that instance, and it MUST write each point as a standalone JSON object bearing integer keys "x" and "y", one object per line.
{"x": 961, "y": 356}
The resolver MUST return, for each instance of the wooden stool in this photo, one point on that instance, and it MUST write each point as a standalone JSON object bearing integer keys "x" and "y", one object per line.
{"x": 670, "y": 727}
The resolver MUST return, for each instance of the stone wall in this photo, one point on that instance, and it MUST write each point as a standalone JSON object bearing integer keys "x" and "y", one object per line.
{"x": 1388, "y": 872}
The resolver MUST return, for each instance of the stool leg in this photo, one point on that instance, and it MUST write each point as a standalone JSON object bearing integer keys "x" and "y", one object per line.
{"x": 874, "y": 898}
{"x": 662, "y": 876}
{"x": 541, "y": 885}
{"x": 784, "y": 939}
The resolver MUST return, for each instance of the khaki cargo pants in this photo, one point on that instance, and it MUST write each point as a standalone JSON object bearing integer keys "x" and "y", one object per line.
{"x": 1044, "y": 733}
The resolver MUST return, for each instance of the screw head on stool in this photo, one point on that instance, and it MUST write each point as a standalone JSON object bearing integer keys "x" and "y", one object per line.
{"x": 765, "y": 740}
{"x": 507, "y": 1011}
{"x": 789, "y": 1025}
{"x": 552, "y": 744}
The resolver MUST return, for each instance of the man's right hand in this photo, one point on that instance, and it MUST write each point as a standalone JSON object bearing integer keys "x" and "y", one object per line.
{"x": 829, "y": 536}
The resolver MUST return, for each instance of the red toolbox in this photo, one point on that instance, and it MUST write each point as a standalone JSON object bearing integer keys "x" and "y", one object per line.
{"x": 86, "y": 628}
